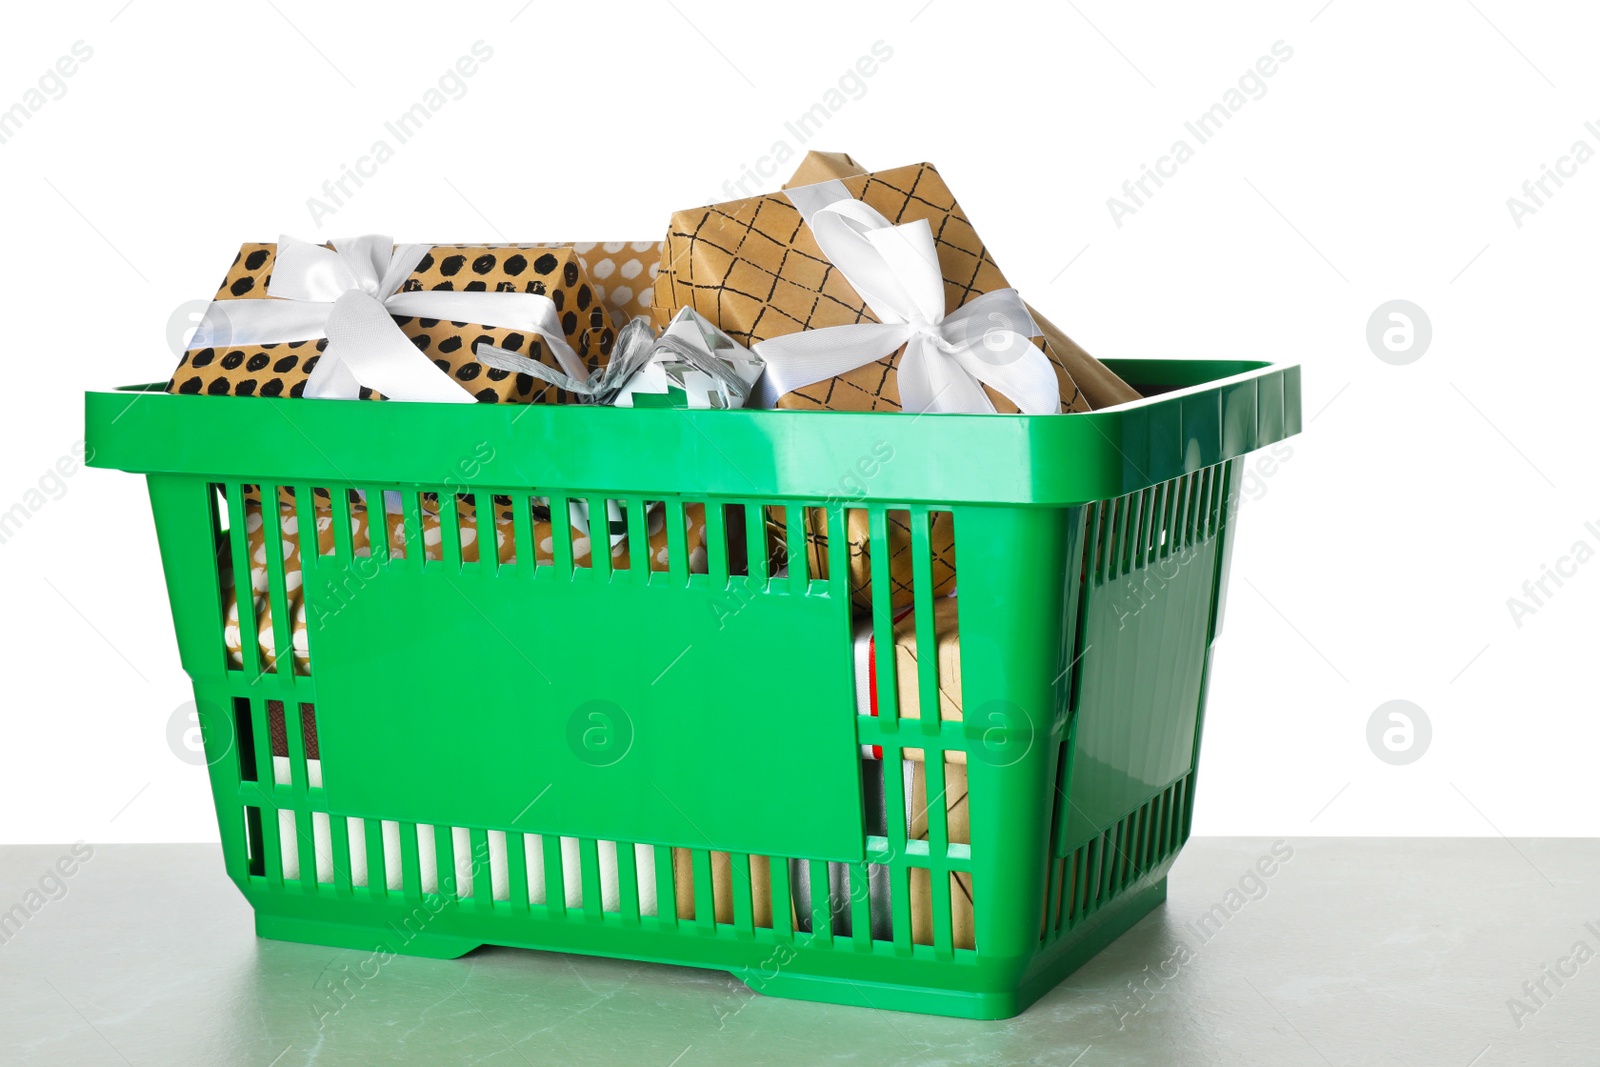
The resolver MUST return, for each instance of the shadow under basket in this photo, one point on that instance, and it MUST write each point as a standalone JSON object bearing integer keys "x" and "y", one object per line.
{"x": 503, "y": 734}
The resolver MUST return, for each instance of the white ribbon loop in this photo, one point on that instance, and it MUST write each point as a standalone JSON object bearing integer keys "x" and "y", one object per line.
{"x": 349, "y": 294}
{"x": 370, "y": 350}
{"x": 948, "y": 358}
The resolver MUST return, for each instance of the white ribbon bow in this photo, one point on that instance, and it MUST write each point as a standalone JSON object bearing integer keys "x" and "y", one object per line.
{"x": 948, "y": 358}
{"x": 349, "y": 294}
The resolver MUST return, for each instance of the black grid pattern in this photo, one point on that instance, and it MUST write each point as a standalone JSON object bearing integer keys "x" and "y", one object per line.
{"x": 753, "y": 267}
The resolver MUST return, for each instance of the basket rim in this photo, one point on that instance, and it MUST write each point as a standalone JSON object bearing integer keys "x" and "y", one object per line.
{"x": 1198, "y": 413}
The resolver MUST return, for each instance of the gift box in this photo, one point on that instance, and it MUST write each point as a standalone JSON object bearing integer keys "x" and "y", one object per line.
{"x": 268, "y": 327}
{"x": 757, "y": 268}
{"x": 1101, "y": 386}
{"x": 623, "y": 274}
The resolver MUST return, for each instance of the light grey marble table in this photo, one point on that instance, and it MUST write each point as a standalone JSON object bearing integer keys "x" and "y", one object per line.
{"x": 1377, "y": 951}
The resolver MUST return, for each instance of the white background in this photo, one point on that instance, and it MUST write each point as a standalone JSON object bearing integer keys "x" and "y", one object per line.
{"x": 1374, "y": 564}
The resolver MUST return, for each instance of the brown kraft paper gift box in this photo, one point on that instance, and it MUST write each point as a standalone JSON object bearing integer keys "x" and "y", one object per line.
{"x": 557, "y": 272}
{"x": 754, "y": 268}
{"x": 1101, "y": 386}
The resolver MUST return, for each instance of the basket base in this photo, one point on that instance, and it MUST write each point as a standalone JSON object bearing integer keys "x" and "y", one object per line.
{"x": 1009, "y": 992}
{"x": 345, "y": 935}
{"x": 1108, "y": 924}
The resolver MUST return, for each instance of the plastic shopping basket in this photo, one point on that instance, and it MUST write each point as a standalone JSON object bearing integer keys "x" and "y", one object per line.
{"x": 637, "y": 728}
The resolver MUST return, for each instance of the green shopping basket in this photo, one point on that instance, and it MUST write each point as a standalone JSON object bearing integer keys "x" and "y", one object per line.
{"x": 466, "y": 728}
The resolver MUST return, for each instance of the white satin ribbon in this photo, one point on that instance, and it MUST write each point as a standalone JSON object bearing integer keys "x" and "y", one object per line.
{"x": 948, "y": 358}
{"x": 349, "y": 294}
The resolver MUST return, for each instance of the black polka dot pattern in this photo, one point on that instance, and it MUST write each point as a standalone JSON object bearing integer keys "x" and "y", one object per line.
{"x": 258, "y": 370}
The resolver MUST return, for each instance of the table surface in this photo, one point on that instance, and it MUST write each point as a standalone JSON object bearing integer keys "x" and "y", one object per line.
{"x": 1356, "y": 951}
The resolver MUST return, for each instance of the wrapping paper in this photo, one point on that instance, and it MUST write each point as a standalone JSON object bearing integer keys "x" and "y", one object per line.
{"x": 623, "y": 274}
{"x": 722, "y": 886}
{"x": 958, "y": 826}
{"x": 1101, "y": 386}
{"x": 753, "y": 267}
{"x": 692, "y": 364}
{"x": 676, "y": 374}
{"x": 557, "y": 272}
{"x": 289, "y": 519}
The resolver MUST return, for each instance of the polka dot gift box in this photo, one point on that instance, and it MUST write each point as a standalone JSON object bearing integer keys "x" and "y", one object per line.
{"x": 559, "y": 273}
{"x": 623, "y": 274}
